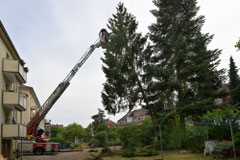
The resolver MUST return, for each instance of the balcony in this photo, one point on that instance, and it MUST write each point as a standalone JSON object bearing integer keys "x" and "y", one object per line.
{"x": 13, "y": 99}
{"x": 16, "y": 131}
{"x": 13, "y": 68}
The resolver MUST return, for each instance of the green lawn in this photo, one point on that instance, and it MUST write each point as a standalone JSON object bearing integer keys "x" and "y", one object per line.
{"x": 168, "y": 155}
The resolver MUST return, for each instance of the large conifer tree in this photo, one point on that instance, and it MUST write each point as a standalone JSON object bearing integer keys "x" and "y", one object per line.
{"x": 122, "y": 63}
{"x": 184, "y": 71}
{"x": 234, "y": 82}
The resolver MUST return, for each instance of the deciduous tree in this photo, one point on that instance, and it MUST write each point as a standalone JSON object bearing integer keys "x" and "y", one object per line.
{"x": 73, "y": 131}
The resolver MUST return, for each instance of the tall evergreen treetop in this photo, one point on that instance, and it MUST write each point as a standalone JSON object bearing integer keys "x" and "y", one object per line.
{"x": 122, "y": 63}
{"x": 182, "y": 66}
{"x": 233, "y": 75}
{"x": 234, "y": 82}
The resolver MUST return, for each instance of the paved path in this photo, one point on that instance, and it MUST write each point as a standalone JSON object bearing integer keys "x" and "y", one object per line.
{"x": 78, "y": 155}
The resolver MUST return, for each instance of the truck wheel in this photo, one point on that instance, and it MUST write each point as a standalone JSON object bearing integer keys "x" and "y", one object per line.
{"x": 38, "y": 151}
{"x": 18, "y": 155}
{"x": 53, "y": 152}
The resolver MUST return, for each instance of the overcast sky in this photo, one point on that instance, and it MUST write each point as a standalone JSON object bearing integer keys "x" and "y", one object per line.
{"x": 51, "y": 35}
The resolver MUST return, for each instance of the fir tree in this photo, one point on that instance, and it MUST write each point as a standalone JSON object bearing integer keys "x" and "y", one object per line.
{"x": 123, "y": 63}
{"x": 184, "y": 70}
{"x": 238, "y": 45}
{"x": 234, "y": 82}
{"x": 233, "y": 75}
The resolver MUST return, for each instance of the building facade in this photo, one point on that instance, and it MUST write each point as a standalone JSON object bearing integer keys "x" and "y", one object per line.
{"x": 33, "y": 105}
{"x": 135, "y": 116}
{"x": 57, "y": 125}
{"x": 225, "y": 97}
{"x": 12, "y": 100}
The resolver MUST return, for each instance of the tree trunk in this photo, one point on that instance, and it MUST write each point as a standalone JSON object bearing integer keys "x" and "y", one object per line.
{"x": 182, "y": 122}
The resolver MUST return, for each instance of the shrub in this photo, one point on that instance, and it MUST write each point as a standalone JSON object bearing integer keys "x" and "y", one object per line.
{"x": 59, "y": 140}
{"x": 191, "y": 138}
{"x": 237, "y": 142}
{"x": 194, "y": 137}
{"x": 130, "y": 137}
{"x": 75, "y": 145}
{"x": 147, "y": 152}
{"x": 118, "y": 141}
{"x": 129, "y": 153}
{"x": 101, "y": 138}
{"x": 175, "y": 138}
{"x": 92, "y": 142}
{"x": 67, "y": 143}
{"x": 220, "y": 114}
{"x": 157, "y": 145}
{"x": 147, "y": 131}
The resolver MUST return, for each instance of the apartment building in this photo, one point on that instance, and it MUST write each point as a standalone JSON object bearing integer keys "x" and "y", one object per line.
{"x": 33, "y": 105}
{"x": 12, "y": 100}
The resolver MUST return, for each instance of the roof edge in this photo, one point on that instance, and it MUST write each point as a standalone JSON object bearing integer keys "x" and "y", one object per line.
{"x": 9, "y": 39}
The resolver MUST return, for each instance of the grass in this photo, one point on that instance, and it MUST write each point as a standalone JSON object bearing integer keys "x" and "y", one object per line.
{"x": 168, "y": 155}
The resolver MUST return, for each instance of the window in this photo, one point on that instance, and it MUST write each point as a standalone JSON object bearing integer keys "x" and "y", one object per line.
{"x": 129, "y": 119}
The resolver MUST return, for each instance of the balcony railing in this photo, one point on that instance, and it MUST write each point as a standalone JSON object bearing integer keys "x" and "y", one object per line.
{"x": 13, "y": 99}
{"x": 13, "y": 67}
{"x": 16, "y": 131}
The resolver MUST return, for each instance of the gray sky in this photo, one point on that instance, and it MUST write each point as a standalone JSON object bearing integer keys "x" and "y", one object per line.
{"x": 51, "y": 35}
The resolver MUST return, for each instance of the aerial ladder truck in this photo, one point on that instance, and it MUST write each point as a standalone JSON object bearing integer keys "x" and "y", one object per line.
{"x": 40, "y": 144}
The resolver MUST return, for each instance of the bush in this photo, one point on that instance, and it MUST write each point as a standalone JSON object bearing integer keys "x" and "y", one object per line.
{"x": 75, "y": 145}
{"x": 147, "y": 131}
{"x": 175, "y": 138}
{"x": 220, "y": 114}
{"x": 191, "y": 138}
{"x": 67, "y": 144}
{"x": 237, "y": 142}
{"x": 129, "y": 153}
{"x": 157, "y": 145}
{"x": 118, "y": 141}
{"x": 194, "y": 137}
{"x": 130, "y": 137}
{"x": 101, "y": 138}
{"x": 147, "y": 152}
{"x": 59, "y": 140}
{"x": 92, "y": 142}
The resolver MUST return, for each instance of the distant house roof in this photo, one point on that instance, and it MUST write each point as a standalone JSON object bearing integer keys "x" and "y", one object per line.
{"x": 110, "y": 123}
{"x": 139, "y": 112}
{"x": 135, "y": 113}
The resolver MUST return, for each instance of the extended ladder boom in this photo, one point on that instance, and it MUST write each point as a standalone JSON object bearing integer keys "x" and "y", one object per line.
{"x": 39, "y": 116}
